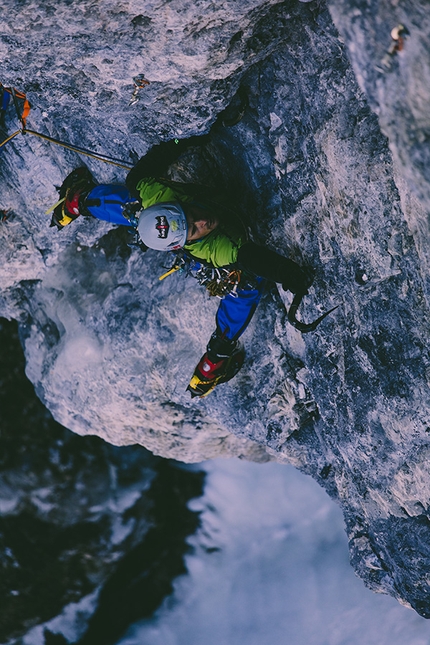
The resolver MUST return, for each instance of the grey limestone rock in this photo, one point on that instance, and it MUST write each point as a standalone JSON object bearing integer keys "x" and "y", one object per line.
{"x": 329, "y": 166}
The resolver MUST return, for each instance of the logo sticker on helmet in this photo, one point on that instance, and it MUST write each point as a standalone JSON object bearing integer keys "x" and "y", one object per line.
{"x": 162, "y": 226}
{"x": 174, "y": 225}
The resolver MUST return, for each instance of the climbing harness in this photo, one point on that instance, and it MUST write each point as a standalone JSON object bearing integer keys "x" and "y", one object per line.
{"x": 22, "y": 114}
{"x": 223, "y": 281}
{"x": 218, "y": 281}
{"x": 301, "y": 326}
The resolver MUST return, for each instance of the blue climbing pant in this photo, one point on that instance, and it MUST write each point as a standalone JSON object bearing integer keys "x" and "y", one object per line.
{"x": 106, "y": 202}
{"x": 236, "y": 310}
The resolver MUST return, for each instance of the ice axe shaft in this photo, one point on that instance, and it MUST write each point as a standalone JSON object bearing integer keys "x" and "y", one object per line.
{"x": 301, "y": 326}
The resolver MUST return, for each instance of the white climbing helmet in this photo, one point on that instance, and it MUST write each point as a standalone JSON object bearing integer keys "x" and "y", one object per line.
{"x": 163, "y": 226}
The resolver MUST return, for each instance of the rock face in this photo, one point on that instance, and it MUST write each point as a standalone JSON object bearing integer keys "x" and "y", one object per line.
{"x": 329, "y": 164}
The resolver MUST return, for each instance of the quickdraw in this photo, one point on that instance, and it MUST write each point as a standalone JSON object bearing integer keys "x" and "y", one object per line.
{"x": 16, "y": 96}
{"x": 22, "y": 114}
{"x": 6, "y": 93}
{"x": 301, "y": 326}
{"x": 218, "y": 281}
{"x": 139, "y": 83}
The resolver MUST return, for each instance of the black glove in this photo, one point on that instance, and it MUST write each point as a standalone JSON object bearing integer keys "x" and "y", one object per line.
{"x": 272, "y": 266}
{"x": 298, "y": 279}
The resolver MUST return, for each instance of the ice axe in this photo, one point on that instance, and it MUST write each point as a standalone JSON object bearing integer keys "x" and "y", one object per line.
{"x": 301, "y": 326}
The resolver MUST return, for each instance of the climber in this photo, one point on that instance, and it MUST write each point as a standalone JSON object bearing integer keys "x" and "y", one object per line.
{"x": 207, "y": 239}
{"x": 4, "y": 102}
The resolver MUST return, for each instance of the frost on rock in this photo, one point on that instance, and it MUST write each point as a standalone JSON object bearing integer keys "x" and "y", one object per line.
{"x": 328, "y": 165}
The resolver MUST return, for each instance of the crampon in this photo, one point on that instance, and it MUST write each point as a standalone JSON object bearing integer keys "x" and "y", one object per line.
{"x": 73, "y": 191}
{"x": 210, "y": 373}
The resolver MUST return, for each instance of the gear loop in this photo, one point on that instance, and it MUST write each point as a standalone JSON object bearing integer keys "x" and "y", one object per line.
{"x": 219, "y": 281}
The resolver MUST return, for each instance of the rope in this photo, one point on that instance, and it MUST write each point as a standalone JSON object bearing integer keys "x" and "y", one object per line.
{"x": 83, "y": 151}
{"x": 9, "y": 138}
{"x": 60, "y": 201}
{"x": 22, "y": 116}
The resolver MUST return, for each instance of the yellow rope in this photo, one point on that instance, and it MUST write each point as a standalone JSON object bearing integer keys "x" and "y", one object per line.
{"x": 68, "y": 146}
{"x": 77, "y": 149}
{"x": 9, "y": 138}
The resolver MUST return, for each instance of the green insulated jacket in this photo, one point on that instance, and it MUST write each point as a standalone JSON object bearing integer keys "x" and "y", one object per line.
{"x": 228, "y": 243}
{"x": 220, "y": 247}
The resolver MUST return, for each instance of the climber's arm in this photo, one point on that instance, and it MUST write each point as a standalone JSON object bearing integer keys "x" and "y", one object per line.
{"x": 274, "y": 267}
{"x": 156, "y": 162}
